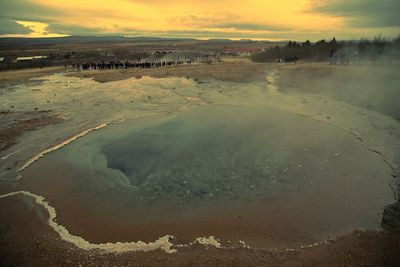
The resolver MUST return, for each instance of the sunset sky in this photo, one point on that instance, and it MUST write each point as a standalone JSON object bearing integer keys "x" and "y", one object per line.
{"x": 255, "y": 19}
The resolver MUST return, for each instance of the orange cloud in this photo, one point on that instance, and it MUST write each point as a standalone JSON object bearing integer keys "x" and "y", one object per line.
{"x": 258, "y": 19}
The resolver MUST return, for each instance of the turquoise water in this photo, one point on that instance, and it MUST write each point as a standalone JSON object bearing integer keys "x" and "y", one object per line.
{"x": 289, "y": 176}
{"x": 210, "y": 154}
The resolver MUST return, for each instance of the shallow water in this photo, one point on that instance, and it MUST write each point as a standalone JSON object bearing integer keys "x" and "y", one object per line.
{"x": 267, "y": 177}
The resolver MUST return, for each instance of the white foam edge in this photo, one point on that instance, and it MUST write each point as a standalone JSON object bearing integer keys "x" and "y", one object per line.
{"x": 60, "y": 145}
{"x": 163, "y": 243}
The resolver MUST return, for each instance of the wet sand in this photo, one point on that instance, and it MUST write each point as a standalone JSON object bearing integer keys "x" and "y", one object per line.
{"x": 28, "y": 241}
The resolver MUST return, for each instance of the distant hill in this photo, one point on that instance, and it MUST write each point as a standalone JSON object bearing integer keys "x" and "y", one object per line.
{"x": 16, "y": 41}
{"x": 23, "y": 42}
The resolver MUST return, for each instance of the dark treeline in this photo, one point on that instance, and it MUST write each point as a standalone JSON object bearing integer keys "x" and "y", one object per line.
{"x": 345, "y": 52}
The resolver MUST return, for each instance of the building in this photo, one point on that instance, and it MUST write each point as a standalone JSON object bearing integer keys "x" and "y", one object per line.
{"x": 23, "y": 59}
{"x": 237, "y": 51}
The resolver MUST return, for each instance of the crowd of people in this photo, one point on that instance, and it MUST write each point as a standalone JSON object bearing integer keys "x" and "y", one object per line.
{"x": 124, "y": 65}
{"x": 288, "y": 59}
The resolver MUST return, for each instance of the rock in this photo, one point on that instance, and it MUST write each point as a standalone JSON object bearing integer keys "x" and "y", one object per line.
{"x": 391, "y": 218}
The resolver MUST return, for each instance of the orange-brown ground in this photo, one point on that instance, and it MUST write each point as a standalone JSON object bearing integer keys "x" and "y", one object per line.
{"x": 27, "y": 240}
{"x": 14, "y": 124}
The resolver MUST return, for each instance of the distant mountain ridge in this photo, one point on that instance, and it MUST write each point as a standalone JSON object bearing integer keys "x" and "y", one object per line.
{"x": 22, "y": 41}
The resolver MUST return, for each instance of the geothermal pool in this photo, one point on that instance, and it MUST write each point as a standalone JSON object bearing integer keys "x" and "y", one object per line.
{"x": 267, "y": 177}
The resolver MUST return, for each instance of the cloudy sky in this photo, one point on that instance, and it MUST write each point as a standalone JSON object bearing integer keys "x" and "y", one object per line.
{"x": 234, "y": 19}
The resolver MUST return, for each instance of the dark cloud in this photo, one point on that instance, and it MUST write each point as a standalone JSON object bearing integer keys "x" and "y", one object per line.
{"x": 77, "y": 30}
{"x": 26, "y": 10}
{"x": 8, "y": 26}
{"x": 71, "y": 29}
{"x": 365, "y": 13}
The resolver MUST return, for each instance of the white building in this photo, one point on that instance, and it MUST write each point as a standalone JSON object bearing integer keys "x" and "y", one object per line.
{"x": 30, "y": 58}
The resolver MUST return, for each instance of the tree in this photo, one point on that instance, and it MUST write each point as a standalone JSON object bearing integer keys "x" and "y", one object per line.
{"x": 333, "y": 42}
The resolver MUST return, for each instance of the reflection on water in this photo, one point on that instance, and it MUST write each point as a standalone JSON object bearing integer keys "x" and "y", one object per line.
{"x": 259, "y": 175}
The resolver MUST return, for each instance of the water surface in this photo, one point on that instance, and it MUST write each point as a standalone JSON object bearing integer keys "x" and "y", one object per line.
{"x": 268, "y": 177}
